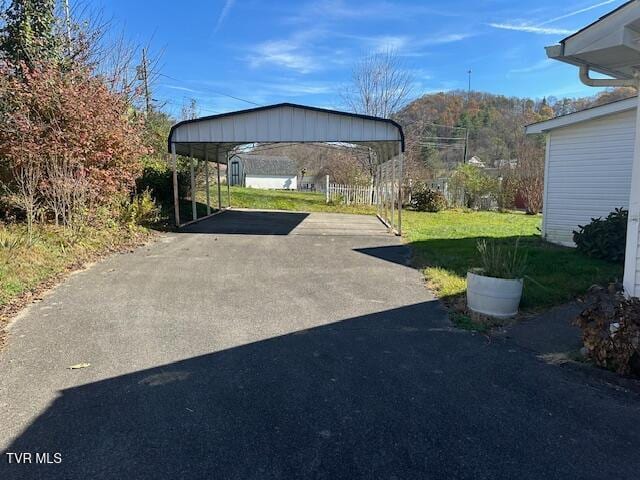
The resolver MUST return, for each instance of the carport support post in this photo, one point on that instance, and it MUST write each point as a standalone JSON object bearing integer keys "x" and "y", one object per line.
{"x": 228, "y": 186}
{"x": 327, "y": 188}
{"x": 176, "y": 195}
{"x": 393, "y": 192}
{"x": 206, "y": 178}
{"x": 400, "y": 179}
{"x": 378, "y": 189}
{"x": 194, "y": 210}
{"x": 219, "y": 190}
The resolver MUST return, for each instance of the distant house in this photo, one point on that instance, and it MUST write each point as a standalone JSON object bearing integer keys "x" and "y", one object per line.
{"x": 263, "y": 171}
{"x": 476, "y": 162}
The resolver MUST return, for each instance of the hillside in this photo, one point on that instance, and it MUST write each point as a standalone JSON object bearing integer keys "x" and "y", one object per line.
{"x": 495, "y": 124}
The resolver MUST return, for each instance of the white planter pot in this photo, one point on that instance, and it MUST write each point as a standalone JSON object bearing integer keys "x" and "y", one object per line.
{"x": 495, "y": 297}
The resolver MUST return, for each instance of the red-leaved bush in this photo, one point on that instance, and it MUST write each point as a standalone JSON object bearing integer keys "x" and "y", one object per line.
{"x": 67, "y": 120}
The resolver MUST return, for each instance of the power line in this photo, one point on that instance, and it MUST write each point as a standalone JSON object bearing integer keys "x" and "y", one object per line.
{"x": 215, "y": 92}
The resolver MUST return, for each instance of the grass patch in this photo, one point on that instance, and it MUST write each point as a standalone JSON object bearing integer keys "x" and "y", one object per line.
{"x": 25, "y": 265}
{"x": 444, "y": 246}
{"x": 465, "y": 322}
{"x": 282, "y": 200}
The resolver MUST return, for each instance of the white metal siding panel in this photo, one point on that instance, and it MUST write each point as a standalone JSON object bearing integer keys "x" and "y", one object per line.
{"x": 287, "y": 124}
{"x": 589, "y": 173}
{"x": 274, "y": 182}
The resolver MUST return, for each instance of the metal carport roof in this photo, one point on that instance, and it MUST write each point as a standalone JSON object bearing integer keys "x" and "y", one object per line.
{"x": 213, "y": 136}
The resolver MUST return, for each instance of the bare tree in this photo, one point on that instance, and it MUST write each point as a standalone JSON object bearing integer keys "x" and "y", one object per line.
{"x": 380, "y": 86}
{"x": 66, "y": 191}
{"x": 27, "y": 176}
{"x": 530, "y": 174}
{"x": 189, "y": 110}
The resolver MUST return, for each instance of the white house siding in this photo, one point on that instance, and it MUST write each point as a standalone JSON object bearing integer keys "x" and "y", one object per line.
{"x": 588, "y": 173}
{"x": 276, "y": 182}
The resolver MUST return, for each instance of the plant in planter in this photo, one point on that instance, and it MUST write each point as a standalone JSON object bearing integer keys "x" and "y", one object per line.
{"x": 495, "y": 289}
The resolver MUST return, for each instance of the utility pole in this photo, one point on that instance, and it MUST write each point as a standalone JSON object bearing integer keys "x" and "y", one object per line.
{"x": 466, "y": 135}
{"x": 67, "y": 22}
{"x": 143, "y": 74}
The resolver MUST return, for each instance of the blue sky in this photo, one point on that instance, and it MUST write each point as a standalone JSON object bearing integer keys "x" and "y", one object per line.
{"x": 303, "y": 52}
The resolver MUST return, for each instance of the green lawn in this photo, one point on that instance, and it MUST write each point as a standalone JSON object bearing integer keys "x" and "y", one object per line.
{"x": 282, "y": 200}
{"x": 444, "y": 246}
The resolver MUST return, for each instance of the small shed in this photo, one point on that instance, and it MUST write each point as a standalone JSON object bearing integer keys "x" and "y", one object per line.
{"x": 588, "y": 164}
{"x": 263, "y": 171}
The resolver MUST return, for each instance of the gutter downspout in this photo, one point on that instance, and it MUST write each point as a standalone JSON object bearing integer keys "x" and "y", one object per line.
{"x": 630, "y": 279}
{"x": 606, "y": 82}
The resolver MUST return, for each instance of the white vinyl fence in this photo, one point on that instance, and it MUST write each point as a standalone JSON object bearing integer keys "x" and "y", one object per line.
{"x": 386, "y": 192}
{"x": 351, "y": 194}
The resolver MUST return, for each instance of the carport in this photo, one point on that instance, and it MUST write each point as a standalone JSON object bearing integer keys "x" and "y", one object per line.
{"x": 216, "y": 138}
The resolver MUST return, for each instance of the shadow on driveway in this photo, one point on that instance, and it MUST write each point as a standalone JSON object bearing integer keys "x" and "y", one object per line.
{"x": 248, "y": 223}
{"x": 384, "y": 395}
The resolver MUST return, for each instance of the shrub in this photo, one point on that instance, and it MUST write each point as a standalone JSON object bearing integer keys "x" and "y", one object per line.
{"x": 611, "y": 331}
{"x": 157, "y": 177}
{"x": 474, "y": 183}
{"x": 428, "y": 200}
{"x": 506, "y": 193}
{"x": 141, "y": 210}
{"x": 500, "y": 261}
{"x": 604, "y": 238}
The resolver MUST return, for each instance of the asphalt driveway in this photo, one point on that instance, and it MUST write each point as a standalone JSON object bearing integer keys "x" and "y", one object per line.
{"x": 261, "y": 345}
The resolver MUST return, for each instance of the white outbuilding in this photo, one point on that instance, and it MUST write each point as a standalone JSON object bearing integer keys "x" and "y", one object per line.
{"x": 270, "y": 172}
{"x": 588, "y": 164}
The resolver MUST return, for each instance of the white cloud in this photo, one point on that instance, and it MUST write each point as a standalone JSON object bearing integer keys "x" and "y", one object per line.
{"x": 541, "y": 65}
{"x": 228, "y": 4}
{"x": 284, "y": 53}
{"x": 542, "y": 29}
{"x": 404, "y": 45}
{"x": 532, "y": 29}
{"x": 341, "y": 10}
{"x": 446, "y": 38}
{"x": 576, "y": 12}
{"x": 387, "y": 42}
{"x": 182, "y": 89}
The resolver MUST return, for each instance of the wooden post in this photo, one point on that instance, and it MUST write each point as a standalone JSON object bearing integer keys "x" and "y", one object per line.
{"x": 176, "y": 195}
{"x": 327, "y": 187}
{"x": 206, "y": 178}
